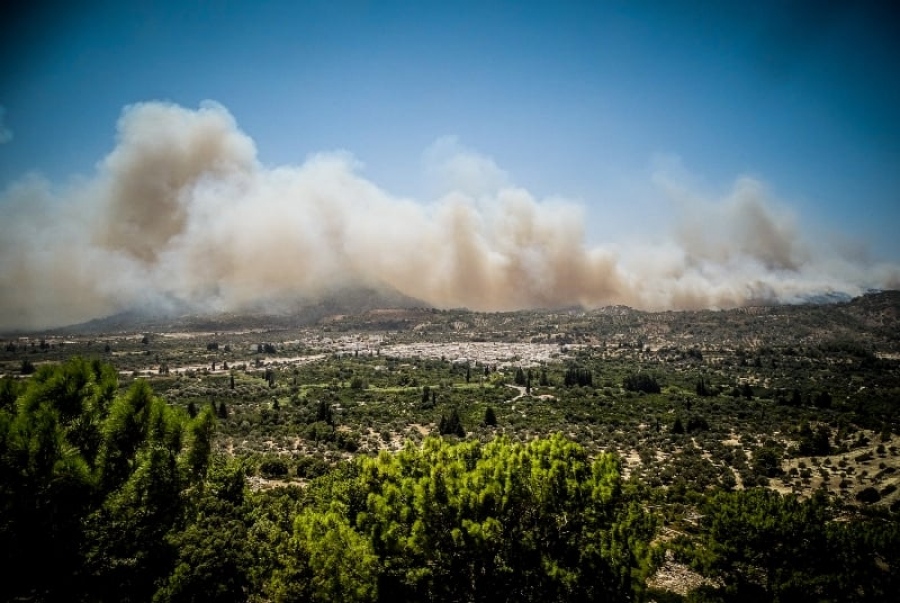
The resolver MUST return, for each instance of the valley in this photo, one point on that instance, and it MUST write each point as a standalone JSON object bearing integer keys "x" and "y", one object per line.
{"x": 796, "y": 400}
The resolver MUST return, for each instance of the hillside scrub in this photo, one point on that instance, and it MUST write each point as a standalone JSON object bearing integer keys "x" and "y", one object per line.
{"x": 119, "y": 495}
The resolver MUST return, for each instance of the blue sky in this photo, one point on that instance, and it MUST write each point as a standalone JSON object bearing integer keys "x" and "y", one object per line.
{"x": 585, "y": 100}
{"x": 571, "y": 98}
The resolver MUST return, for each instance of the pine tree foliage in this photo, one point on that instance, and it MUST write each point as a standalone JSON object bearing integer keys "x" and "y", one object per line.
{"x": 578, "y": 376}
{"x": 91, "y": 483}
{"x": 641, "y": 382}
{"x": 451, "y": 425}
{"x": 471, "y": 521}
{"x": 763, "y": 546}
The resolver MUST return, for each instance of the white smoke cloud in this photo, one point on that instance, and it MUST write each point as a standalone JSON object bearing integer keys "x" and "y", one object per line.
{"x": 454, "y": 168}
{"x": 745, "y": 224}
{"x": 182, "y": 211}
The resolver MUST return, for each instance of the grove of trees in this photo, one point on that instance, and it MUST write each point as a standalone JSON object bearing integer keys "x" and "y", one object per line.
{"x": 111, "y": 494}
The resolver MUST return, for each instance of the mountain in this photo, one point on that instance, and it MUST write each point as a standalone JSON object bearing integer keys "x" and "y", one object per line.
{"x": 260, "y": 315}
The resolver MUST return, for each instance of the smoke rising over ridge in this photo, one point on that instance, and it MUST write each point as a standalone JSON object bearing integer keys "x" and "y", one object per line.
{"x": 181, "y": 211}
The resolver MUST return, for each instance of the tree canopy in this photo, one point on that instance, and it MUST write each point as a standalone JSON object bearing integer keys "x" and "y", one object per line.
{"x": 92, "y": 482}
{"x": 113, "y": 494}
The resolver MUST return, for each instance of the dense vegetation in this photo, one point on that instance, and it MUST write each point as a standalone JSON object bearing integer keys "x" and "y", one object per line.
{"x": 93, "y": 482}
{"x": 116, "y": 493}
{"x": 760, "y": 546}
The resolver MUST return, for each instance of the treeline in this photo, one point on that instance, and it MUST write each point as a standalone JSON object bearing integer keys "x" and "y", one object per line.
{"x": 641, "y": 382}
{"x": 576, "y": 375}
{"x": 109, "y": 496}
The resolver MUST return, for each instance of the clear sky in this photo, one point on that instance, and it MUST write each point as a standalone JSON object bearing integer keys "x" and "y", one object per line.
{"x": 590, "y": 101}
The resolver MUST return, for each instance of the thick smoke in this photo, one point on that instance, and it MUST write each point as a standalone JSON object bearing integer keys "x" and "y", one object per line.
{"x": 181, "y": 212}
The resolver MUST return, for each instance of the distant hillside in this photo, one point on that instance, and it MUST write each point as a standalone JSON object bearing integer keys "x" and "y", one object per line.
{"x": 869, "y": 322}
{"x": 268, "y": 315}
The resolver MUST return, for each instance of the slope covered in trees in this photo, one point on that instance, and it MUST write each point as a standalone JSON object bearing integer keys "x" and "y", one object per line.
{"x": 763, "y": 546}
{"x": 115, "y": 495}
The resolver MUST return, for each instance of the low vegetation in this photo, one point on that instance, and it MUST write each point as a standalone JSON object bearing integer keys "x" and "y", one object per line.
{"x": 459, "y": 457}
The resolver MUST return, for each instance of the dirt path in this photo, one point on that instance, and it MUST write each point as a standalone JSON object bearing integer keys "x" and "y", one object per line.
{"x": 519, "y": 388}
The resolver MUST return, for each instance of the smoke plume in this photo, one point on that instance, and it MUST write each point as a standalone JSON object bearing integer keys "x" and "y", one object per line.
{"x": 182, "y": 212}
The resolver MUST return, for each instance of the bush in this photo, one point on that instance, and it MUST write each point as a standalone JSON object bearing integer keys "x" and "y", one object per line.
{"x": 697, "y": 423}
{"x": 767, "y": 462}
{"x": 641, "y": 382}
{"x": 273, "y": 468}
{"x": 310, "y": 467}
{"x": 868, "y": 495}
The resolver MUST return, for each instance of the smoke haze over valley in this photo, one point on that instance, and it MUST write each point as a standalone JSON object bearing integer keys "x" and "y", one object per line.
{"x": 182, "y": 212}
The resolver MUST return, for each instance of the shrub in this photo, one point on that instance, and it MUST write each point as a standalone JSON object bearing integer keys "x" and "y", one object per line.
{"x": 641, "y": 382}
{"x": 868, "y": 495}
{"x": 273, "y": 468}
